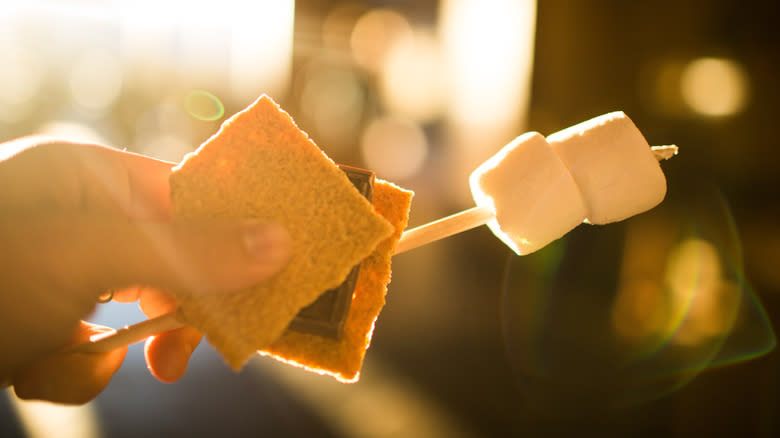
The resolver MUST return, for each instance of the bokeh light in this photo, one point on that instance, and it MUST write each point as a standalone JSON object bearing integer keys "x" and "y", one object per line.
{"x": 332, "y": 102}
{"x": 673, "y": 304}
{"x": 96, "y": 80}
{"x": 21, "y": 76}
{"x": 338, "y": 25}
{"x": 21, "y": 79}
{"x": 166, "y": 132}
{"x": 714, "y": 86}
{"x": 704, "y": 300}
{"x": 374, "y": 34}
{"x": 412, "y": 74}
{"x": 394, "y": 148}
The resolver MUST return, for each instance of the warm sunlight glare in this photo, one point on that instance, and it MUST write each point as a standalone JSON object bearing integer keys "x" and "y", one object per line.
{"x": 489, "y": 50}
{"x": 44, "y": 419}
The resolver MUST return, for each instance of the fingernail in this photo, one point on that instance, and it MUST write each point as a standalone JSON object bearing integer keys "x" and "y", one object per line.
{"x": 268, "y": 244}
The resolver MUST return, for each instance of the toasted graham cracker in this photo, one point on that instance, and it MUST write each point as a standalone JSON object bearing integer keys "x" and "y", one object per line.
{"x": 343, "y": 358}
{"x": 260, "y": 165}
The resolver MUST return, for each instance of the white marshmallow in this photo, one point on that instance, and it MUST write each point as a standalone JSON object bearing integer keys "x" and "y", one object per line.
{"x": 532, "y": 193}
{"x": 613, "y": 165}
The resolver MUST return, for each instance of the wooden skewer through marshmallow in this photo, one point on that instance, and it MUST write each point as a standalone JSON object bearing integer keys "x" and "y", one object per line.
{"x": 476, "y": 216}
{"x": 410, "y": 239}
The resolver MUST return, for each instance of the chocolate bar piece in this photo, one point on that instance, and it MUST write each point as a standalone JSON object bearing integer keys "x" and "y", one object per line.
{"x": 325, "y": 316}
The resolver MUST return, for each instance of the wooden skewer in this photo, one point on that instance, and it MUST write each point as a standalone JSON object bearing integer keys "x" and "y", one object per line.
{"x": 104, "y": 342}
{"x": 444, "y": 227}
{"x": 413, "y": 238}
{"x": 664, "y": 152}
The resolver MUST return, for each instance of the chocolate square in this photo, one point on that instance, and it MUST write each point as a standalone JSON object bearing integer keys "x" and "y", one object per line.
{"x": 326, "y": 316}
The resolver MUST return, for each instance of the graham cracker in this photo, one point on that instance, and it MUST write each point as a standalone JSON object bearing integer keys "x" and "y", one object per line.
{"x": 261, "y": 165}
{"x": 342, "y": 358}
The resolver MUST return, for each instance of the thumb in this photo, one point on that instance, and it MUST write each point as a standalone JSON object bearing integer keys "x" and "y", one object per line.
{"x": 93, "y": 254}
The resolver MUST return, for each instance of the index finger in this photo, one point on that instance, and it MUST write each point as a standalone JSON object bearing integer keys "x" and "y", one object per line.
{"x": 48, "y": 174}
{"x": 148, "y": 185}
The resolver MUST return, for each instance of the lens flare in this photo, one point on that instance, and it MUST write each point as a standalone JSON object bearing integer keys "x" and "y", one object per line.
{"x": 203, "y": 105}
{"x": 628, "y": 313}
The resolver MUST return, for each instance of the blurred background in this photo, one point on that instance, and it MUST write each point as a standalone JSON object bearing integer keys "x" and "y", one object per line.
{"x": 661, "y": 325}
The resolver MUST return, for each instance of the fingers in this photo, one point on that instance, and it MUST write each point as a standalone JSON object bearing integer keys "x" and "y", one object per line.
{"x": 70, "y": 378}
{"x": 168, "y": 354}
{"x": 148, "y": 187}
{"x": 127, "y": 294}
{"x": 56, "y": 175}
{"x": 154, "y": 302}
{"x": 91, "y": 255}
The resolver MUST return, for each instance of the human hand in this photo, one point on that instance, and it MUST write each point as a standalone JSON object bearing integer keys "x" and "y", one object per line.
{"x": 77, "y": 220}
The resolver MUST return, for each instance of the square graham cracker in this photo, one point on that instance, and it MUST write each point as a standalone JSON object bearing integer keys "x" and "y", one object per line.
{"x": 260, "y": 165}
{"x": 342, "y": 358}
